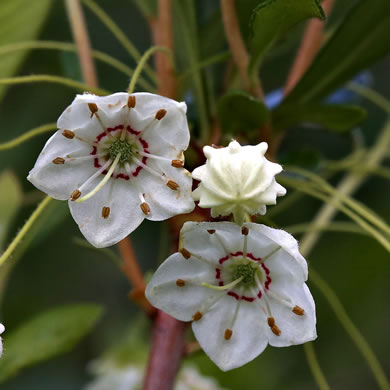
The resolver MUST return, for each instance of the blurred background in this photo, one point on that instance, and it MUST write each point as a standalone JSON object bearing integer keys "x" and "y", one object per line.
{"x": 55, "y": 267}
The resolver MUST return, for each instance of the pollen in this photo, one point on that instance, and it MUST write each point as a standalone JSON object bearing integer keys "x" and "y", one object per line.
{"x": 185, "y": 253}
{"x": 177, "y": 163}
{"x": 228, "y": 334}
{"x": 180, "y": 283}
{"x": 105, "y": 212}
{"x": 211, "y": 231}
{"x": 244, "y": 230}
{"x": 58, "y": 160}
{"x": 75, "y": 195}
{"x": 298, "y": 311}
{"x": 197, "y": 316}
{"x": 68, "y": 134}
{"x": 172, "y": 185}
{"x": 271, "y": 323}
{"x": 145, "y": 208}
{"x": 160, "y": 114}
{"x": 131, "y": 101}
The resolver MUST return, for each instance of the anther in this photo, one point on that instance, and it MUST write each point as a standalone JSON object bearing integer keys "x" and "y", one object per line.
{"x": 58, "y": 160}
{"x": 211, "y": 231}
{"x": 228, "y": 334}
{"x": 298, "y": 311}
{"x": 271, "y": 323}
{"x": 177, "y": 163}
{"x": 145, "y": 208}
{"x": 160, "y": 114}
{"x": 180, "y": 283}
{"x": 131, "y": 101}
{"x": 75, "y": 195}
{"x": 93, "y": 108}
{"x": 197, "y": 316}
{"x": 68, "y": 134}
{"x": 105, "y": 212}
{"x": 172, "y": 185}
{"x": 185, "y": 253}
{"x": 244, "y": 230}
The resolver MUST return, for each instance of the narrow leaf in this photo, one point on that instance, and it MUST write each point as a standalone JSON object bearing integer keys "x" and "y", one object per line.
{"x": 271, "y": 19}
{"x": 239, "y": 111}
{"x": 361, "y": 39}
{"x": 20, "y": 20}
{"x": 47, "y": 335}
{"x": 335, "y": 117}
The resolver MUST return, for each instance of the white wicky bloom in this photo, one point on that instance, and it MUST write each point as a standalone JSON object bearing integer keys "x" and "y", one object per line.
{"x": 243, "y": 287}
{"x": 118, "y": 159}
{"x": 237, "y": 180}
{"x": 2, "y": 329}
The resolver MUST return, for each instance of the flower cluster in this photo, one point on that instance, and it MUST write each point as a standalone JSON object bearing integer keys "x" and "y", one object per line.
{"x": 119, "y": 159}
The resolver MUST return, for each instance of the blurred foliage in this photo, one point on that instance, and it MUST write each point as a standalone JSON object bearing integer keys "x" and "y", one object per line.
{"x": 49, "y": 268}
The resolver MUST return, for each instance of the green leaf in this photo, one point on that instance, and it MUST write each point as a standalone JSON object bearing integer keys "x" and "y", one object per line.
{"x": 47, "y": 335}
{"x": 335, "y": 117}
{"x": 361, "y": 39}
{"x": 271, "y": 19}
{"x": 239, "y": 111}
{"x": 11, "y": 197}
{"x": 20, "y": 20}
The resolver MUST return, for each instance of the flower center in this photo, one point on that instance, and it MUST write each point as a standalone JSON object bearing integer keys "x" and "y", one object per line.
{"x": 247, "y": 272}
{"x": 124, "y": 148}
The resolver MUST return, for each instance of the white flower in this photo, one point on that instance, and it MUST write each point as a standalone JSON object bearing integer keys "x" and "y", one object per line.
{"x": 237, "y": 179}
{"x": 243, "y": 287}
{"x": 118, "y": 159}
{"x": 130, "y": 377}
{"x": 2, "y": 329}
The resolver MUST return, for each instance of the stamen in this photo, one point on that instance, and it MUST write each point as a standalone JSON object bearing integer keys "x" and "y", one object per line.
{"x": 103, "y": 182}
{"x": 160, "y": 114}
{"x": 58, "y": 160}
{"x": 228, "y": 334}
{"x": 81, "y": 158}
{"x": 222, "y": 243}
{"x": 141, "y": 153}
{"x": 75, "y": 195}
{"x": 147, "y": 168}
{"x": 271, "y": 323}
{"x": 245, "y": 246}
{"x": 145, "y": 208}
{"x": 172, "y": 185}
{"x": 68, "y": 134}
{"x": 96, "y": 174}
{"x": 244, "y": 230}
{"x": 131, "y": 101}
{"x": 197, "y": 316}
{"x": 90, "y": 143}
{"x": 211, "y": 231}
{"x": 267, "y": 309}
{"x": 177, "y": 163}
{"x": 225, "y": 287}
{"x": 93, "y": 108}
{"x": 266, "y": 257}
{"x": 105, "y": 212}
{"x": 186, "y": 254}
{"x": 298, "y": 311}
{"x": 180, "y": 283}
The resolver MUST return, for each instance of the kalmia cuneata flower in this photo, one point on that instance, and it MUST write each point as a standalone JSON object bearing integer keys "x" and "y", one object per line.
{"x": 118, "y": 159}
{"x": 237, "y": 180}
{"x": 2, "y": 329}
{"x": 243, "y": 287}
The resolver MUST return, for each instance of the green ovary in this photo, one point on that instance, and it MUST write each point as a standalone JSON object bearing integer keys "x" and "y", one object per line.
{"x": 124, "y": 148}
{"x": 247, "y": 272}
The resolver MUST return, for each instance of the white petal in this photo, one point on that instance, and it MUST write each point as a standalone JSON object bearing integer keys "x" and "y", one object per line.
{"x": 249, "y": 336}
{"x": 181, "y": 302}
{"x": 163, "y": 201}
{"x": 263, "y": 238}
{"x": 125, "y": 213}
{"x": 60, "y": 180}
{"x": 295, "y": 329}
{"x": 227, "y": 239}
